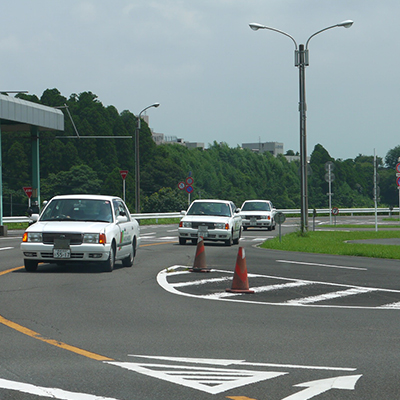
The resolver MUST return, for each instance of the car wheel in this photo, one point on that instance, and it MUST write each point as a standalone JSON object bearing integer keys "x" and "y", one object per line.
{"x": 109, "y": 264}
{"x": 236, "y": 241}
{"x": 245, "y": 228}
{"x": 128, "y": 261}
{"x": 30, "y": 265}
{"x": 182, "y": 241}
{"x": 229, "y": 242}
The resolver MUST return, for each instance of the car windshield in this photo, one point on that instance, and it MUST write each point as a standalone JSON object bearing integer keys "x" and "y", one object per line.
{"x": 209, "y": 208}
{"x": 256, "y": 206}
{"x": 78, "y": 210}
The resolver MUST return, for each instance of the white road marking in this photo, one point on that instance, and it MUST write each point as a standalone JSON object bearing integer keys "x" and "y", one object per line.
{"x": 314, "y": 388}
{"x": 320, "y": 265}
{"x": 227, "y": 362}
{"x": 53, "y": 393}
{"x": 328, "y": 296}
{"x": 350, "y": 290}
{"x": 206, "y": 379}
{"x": 6, "y": 248}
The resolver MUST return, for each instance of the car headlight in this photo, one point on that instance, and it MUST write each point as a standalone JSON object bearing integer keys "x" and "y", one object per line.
{"x": 185, "y": 224}
{"x": 91, "y": 238}
{"x": 221, "y": 225}
{"x": 32, "y": 237}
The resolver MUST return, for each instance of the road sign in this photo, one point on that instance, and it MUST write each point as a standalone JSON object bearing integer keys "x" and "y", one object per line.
{"x": 189, "y": 181}
{"x": 189, "y": 189}
{"x": 398, "y": 181}
{"x": 335, "y": 211}
{"x": 280, "y": 217}
{"x": 398, "y": 167}
{"x": 181, "y": 185}
{"x": 28, "y": 191}
{"x": 123, "y": 173}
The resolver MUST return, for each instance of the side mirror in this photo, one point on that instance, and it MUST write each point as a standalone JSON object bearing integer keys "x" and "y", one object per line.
{"x": 183, "y": 212}
{"x": 237, "y": 210}
{"x": 122, "y": 218}
{"x": 33, "y": 218}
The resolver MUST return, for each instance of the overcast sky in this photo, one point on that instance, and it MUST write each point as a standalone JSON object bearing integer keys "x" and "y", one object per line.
{"x": 214, "y": 77}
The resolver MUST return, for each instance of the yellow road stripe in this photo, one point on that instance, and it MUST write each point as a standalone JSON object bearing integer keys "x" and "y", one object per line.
{"x": 62, "y": 345}
{"x": 37, "y": 336}
{"x": 10, "y": 270}
{"x": 155, "y": 244}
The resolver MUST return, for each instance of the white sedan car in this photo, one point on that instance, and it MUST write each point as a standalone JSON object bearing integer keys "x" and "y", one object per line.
{"x": 216, "y": 220}
{"x": 81, "y": 229}
{"x": 258, "y": 214}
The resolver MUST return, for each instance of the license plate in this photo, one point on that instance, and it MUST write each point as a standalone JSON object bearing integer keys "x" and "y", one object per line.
{"x": 62, "y": 253}
{"x": 203, "y": 231}
{"x": 253, "y": 221}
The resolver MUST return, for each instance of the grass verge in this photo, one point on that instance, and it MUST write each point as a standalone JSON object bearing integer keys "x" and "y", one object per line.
{"x": 336, "y": 243}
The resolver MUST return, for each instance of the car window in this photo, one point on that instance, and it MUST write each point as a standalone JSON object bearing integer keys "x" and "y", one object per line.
{"x": 78, "y": 210}
{"x": 121, "y": 209}
{"x": 210, "y": 208}
{"x": 256, "y": 206}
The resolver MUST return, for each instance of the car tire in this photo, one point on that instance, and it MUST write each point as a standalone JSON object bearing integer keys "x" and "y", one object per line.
{"x": 236, "y": 241}
{"x": 182, "y": 241}
{"x": 245, "y": 228}
{"x": 30, "y": 265}
{"x": 229, "y": 242}
{"x": 108, "y": 265}
{"x": 128, "y": 261}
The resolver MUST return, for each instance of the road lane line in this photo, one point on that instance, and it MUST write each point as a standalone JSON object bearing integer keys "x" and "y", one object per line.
{"x": 320, "y": 265}
{"x": 6, "y": 248}
{"x": 10, "y": 270}
{"x": 56, "y": 343}
{"x": 53, "y": 393}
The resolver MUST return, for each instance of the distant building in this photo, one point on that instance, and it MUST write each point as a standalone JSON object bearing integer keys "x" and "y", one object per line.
{"x": 273, "y": 148}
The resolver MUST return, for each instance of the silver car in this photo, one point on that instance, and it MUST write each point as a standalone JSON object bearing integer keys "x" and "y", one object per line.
{"x": 258, "y": 214}
{"x": 214, "y": 220}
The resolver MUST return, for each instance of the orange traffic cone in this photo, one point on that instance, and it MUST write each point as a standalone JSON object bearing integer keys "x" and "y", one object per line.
{"x": 240, "y": 283}
{"x": 199, "y": 264}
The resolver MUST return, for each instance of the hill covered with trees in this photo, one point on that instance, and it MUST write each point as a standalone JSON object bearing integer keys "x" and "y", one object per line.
{"x": 92, "y": 166}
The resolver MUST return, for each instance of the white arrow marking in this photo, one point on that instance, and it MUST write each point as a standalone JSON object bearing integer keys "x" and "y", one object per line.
{"x": 314, "y": 388}
{"x": 53, "y": 393}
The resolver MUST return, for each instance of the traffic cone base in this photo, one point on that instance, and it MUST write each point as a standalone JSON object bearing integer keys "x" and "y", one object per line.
{"x": 199, "y": 264}
{"x": 240, "y": 283}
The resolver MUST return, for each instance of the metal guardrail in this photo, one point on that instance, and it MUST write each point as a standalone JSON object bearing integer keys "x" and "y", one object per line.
{"x": 295, "y": 211}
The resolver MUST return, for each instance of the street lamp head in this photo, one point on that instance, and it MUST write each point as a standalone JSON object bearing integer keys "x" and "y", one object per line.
{"x": 256, "y": 26}
{"x": 155, "y": 105}
{"x": 346, "y": 24}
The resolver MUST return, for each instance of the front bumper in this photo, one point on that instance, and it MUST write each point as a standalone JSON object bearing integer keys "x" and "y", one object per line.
{"x": 210, "y": 234}
{"x": 85, "y": 252}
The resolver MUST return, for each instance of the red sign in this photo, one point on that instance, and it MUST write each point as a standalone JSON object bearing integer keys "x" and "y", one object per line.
{"x": 181, "y": 185}
{"x": 28, "y": 191}
{"x": 398, "y": 167}
{"x": 189, "y": 189}
{"x": 189, "y": 181}
{"x": 123, "y": 174}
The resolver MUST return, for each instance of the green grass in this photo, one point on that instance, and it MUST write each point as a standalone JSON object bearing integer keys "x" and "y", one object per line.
{"x": 365, "y": 226}
{"x": 16, "y": 225}
{"x": 335, "y": 243}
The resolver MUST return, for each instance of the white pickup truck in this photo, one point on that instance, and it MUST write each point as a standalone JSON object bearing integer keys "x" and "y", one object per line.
{"x": 81, "y": 229}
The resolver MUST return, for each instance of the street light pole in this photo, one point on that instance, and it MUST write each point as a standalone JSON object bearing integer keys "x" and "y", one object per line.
{"x": 301, "y": 61}
{"x": 137, "y": 164}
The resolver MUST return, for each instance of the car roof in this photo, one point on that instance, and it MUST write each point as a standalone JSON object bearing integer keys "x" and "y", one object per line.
{"x": 211, "y": 201}
{"x": 252, "y": 201}
{"x": 86, "y": 197}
